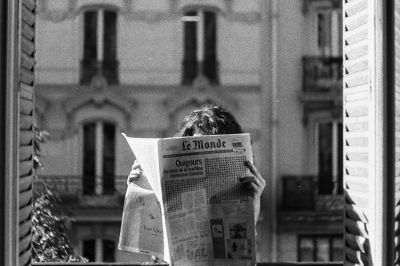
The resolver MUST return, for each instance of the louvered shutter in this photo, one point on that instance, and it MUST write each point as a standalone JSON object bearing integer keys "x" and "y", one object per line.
{"x": 397, "y": 130}
{"x": 363, "y": 132}
{"x": 26, "y": 109}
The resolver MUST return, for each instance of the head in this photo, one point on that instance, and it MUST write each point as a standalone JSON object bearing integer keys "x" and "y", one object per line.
{"x": 209, "y": 120}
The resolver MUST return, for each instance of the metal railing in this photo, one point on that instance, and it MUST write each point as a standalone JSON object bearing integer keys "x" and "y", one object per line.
{"x": 322, "y": 73}
{"x": 300, "y": 193}
{"x": 73, "y": 184}
{"x": 107, "y": 69}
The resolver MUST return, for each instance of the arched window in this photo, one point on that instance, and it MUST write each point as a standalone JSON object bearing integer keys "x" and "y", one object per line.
{"x": 200, "y": 46}
{"x": 98, "y": 158}
{"x": 99, "y": 46}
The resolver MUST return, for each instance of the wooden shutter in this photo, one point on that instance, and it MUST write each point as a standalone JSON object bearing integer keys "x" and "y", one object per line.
{"x": 363, "y": 143}
{"x": 26, "y": 112}
{"x": 397, "y": 131}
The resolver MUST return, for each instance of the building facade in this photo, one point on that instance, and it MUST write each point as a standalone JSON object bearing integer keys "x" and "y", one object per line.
{"x": 138, "y": 66}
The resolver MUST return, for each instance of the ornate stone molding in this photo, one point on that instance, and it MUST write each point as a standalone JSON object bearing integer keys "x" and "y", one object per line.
{"x": 128, "y": 9}
{"x": 57, "y": 15}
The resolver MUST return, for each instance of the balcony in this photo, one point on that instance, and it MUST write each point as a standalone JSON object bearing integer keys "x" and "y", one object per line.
{"x": 322, "y": 74}
{"x": 322, "y": 85}
{"x": 302, "y": 206}
{"x": 70, "y": 190}
{"x": 107, "y": 69}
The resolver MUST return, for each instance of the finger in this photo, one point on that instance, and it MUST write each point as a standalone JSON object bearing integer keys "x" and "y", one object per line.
{"x": 255, "y": 171}
{"x": 135, "y": 165}
{"x": 250, "y": 179}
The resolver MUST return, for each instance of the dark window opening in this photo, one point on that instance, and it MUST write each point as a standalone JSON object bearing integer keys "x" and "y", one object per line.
{"x": 108, "y": 250}
{"x": 89, "y": 158}
{"x": 191, "y": 62}
{"x": 89, "y": 249}
{"x": 313, "y": 248}
{"x": 95, "y": 62}
{"x": 330, "y": 154}
{"x": 108, "y": 158}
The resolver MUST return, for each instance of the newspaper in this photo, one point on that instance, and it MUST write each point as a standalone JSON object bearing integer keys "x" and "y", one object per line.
{"x": 206, "y": 216}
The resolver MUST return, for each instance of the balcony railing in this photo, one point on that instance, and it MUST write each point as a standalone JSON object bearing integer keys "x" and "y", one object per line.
{"x": 70, "y": 189}
{"x": 299, "y": 193}
{"x": 321, "y": 73}
{"x": 107, "y": 69}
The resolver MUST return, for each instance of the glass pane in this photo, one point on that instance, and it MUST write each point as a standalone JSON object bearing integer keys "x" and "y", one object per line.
{"x": 337, "y": 249}
{"x": 108, "y": 158}
{"x": 325, "y": 185}
{"x": 89, "y": 158}
{"x": 210, "y": 47}
{"x": 108, "y": 250}
{"x": 110, "y": 35}
{"x": 90, "y": 38}
{"x": 340, "y": 158}
{"x": 322, "y": 247}
{"x": 306, "y": 251}
{"x": 190, "y": 53}
{"x": 89, "y": 249}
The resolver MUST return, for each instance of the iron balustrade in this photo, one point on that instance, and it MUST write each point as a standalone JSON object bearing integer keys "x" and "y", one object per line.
{"x": 322, "y": 73}
{"x": 107, "y": 69}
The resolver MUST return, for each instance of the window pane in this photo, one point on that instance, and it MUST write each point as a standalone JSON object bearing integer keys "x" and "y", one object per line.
{"x": 337, "y": 249}
{"x": 322, "y": 249}
{"x": 210, "y": 67}
{"x": 108, "y": 158}
{"x": 306, "y": 252}
{"x": 190, "y": 57}
{"x": 89, "y": 158}
{"x": 89, "y": 249}
{"x": 325, "y": 185}
{"x": 90, "y": 38}
{"x": 108, "y": 250}
{"x": 110, "y": 35}
{"x": 110, "y": 65}
{"x": 340, "y": 158}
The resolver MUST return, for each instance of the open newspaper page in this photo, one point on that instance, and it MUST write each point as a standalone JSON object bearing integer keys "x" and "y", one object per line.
{"x": 142, "y": 219}
{"x": 209, "y": 214}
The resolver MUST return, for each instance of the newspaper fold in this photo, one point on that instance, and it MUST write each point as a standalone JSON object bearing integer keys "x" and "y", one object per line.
{"x": 206, "y": 216}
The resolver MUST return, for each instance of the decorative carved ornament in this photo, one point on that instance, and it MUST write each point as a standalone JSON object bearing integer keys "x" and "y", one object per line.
{"x": 128, "y": 9}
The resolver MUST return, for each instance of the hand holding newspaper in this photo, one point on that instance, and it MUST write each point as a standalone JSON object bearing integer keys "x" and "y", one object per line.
{"x": 191, "y": 209}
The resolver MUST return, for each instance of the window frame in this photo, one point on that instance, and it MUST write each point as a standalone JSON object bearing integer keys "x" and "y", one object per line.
{"x": 314, "y": 238}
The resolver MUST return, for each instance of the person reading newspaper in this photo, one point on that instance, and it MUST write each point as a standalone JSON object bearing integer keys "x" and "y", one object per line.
{"x": 214, "y": 120}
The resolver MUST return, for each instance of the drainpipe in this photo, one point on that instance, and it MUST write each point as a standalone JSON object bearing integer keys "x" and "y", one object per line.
{"x": 274, "y": 124}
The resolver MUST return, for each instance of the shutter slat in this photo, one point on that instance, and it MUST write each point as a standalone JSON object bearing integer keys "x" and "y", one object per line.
{"x": 28, "y": 16}
{"x": 28, "y": 31}
{"x": 25, "y": 183}
{"x": 25, "y": 168}
{"x": 27, "y": 61}
{"x": 25, "y": 153}
{"x": 357, "y": 243}
{"x": 352, "y": 9}
{"x": 25, "y": 258}
{"x": 25, "y": 122}
{"x": 26, "y": 107}
{"x": 25, "y": 213}
{"x": 29, "y": 4}
{"x": 25, "y": 228}
{"x": 26, "y": 137}
{"x": 26, "y": 76}
{"x": 25, "y": 198}
{"x": 355, "y": 213}
{"x": 27, "y": 46}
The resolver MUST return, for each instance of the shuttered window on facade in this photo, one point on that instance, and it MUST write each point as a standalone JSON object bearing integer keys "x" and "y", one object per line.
{"x": 26, "y": 112}
{"x": 367, "y": 144}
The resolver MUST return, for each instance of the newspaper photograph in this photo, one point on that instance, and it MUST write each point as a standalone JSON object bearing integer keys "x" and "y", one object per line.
{"x": 206, "y": 214}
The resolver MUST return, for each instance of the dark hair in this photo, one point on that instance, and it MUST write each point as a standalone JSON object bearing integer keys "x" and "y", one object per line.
{"x": 211, "y": 120}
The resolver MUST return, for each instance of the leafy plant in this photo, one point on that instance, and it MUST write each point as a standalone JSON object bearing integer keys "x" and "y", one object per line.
{"x": 50, "y": 241}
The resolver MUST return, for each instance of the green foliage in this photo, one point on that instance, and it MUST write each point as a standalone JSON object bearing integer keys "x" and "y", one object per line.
{"x": 50, "y": 241}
